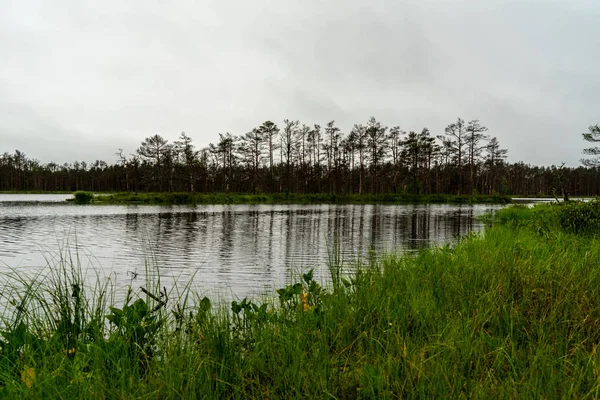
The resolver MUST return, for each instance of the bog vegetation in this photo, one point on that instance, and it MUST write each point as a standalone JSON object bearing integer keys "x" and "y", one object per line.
{"x": 291, "y": 198}
{"x": 514, "y": 313}
{"x": 82, "y": 197}
{"x": 298, "y": 158}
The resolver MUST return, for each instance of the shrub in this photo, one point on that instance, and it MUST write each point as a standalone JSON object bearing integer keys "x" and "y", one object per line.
{"x": 580, "y": 217}
{"x": 83, "y": 197}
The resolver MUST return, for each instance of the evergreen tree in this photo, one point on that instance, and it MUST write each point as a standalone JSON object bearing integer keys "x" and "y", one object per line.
{"x": 455, "y": 145}
{"x": 153, "y": 151}
{"x": 474, "y": 137}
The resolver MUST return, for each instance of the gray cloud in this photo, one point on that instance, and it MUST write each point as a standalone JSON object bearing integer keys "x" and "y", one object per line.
{"x": 80, "y": 79}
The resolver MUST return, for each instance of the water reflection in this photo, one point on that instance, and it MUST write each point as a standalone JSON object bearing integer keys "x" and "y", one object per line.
{"x": 236, "y": 250}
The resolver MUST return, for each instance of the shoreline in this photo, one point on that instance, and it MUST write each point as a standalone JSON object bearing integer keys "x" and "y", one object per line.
{"x": 282, "y": 198}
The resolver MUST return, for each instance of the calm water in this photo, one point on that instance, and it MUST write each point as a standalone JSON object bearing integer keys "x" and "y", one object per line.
{"x": 230, "y": 250}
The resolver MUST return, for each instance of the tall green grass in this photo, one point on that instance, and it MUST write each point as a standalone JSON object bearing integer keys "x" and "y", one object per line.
{"x": 512, "y": 314}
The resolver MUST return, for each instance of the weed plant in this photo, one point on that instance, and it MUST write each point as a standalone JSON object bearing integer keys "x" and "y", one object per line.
{"x": 512, "y": 314}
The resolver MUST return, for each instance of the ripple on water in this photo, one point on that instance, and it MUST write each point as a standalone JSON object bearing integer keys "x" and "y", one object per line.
{"x": 237, "y": 250}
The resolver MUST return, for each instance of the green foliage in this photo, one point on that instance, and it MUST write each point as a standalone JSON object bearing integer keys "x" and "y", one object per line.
{"x": 288, "y": 295}
{"x": 293, "y": 198}
{"x": 512, "y": 313}
{"x": 83, "y": 197}
{"x": 136, "y": 328}
{"x": 580, "y": 217}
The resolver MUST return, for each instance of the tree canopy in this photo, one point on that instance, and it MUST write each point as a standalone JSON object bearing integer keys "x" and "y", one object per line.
{"x": 296, "y": 157}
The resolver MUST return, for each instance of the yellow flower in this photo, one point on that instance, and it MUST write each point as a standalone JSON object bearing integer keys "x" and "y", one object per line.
{"x": 304, "y": 298}
{"x": 28, "y": 377}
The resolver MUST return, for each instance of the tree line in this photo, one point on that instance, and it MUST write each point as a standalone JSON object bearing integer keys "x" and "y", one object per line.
{"x": 298, "y": 158}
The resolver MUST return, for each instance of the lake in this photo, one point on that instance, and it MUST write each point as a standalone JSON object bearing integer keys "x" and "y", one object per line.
{"x": 230, "y": 251}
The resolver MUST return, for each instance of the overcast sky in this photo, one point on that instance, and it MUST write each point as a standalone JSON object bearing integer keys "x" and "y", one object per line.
{"x": 80, "y": 79}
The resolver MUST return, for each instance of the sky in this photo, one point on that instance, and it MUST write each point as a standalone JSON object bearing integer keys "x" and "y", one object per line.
{"x": 80, "y": 79}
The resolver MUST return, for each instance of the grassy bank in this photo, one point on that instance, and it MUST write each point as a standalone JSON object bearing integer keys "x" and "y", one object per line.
{"x": 513, "y": 314}
{"x": 291, "y": 198}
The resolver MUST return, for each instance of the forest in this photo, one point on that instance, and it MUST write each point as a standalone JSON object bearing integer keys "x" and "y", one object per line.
{"x": 300, "y": 158}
